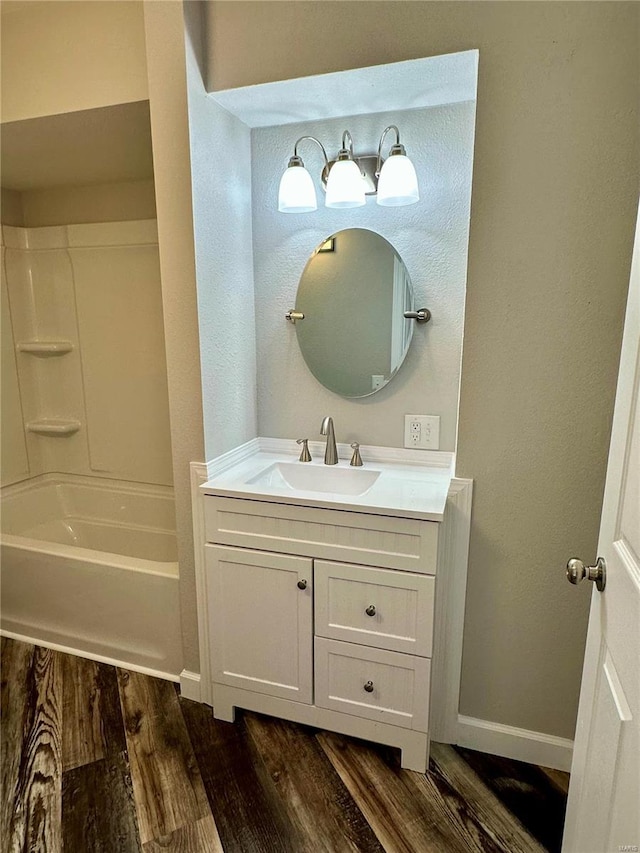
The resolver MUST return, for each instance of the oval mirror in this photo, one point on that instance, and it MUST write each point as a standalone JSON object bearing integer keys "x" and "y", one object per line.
{"x": 353, "y": 293}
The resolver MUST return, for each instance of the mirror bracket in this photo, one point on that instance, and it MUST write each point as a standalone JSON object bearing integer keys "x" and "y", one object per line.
{"x": 422, "y": 315}
{"x": 292, "y": 316}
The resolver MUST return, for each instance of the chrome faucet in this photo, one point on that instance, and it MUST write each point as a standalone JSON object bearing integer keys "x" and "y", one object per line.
{"x": 331, "y": 452}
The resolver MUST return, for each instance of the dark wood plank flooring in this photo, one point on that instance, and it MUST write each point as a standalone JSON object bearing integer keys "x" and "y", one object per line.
{"x": 99, "y": 760}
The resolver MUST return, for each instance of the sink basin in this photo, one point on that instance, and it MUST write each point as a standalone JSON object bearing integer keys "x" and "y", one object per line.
{"x": 316, "y": 478}
{"x": 392, "y": 482}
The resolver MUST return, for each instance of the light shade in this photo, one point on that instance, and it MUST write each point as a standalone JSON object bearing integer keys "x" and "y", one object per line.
{"x": 297, "y": 193}
{"x": 345, "y": 186}
{"x": 398, "y": 182}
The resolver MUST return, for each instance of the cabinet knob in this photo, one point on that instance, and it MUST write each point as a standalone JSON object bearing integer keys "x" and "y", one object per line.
{"x": 371, "y": 610}
{"x": 302, "y": 584}
{"x": 369, "y": 687}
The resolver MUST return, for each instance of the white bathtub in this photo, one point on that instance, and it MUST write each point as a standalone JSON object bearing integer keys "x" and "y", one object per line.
{"x": 90, "y": 566}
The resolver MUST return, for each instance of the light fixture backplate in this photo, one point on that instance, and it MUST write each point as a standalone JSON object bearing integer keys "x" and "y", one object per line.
{"x": 367, "y": 165}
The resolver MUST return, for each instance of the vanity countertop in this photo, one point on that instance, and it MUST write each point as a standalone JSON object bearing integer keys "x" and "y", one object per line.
{"x": 406, "y": 483}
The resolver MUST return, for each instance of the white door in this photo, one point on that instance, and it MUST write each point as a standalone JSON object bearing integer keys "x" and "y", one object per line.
{"x": 261, "y": 621}
{"x": 603, "y": 811}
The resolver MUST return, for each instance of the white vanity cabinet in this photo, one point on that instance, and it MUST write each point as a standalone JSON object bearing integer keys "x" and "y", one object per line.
{"x": 324, "y": 617}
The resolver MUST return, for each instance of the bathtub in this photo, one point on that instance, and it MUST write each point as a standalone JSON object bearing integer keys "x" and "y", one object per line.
{"x": 89, "y": 566}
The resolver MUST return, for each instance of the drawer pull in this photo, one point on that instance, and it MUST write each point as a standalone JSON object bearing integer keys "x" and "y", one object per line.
{"x": 369, "y": 687}
{"x": 371, "y": 610}
{"x": 302, "y": 584}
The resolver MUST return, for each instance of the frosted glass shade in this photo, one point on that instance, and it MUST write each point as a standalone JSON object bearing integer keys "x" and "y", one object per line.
{"x": 297, "y": 193}
{"x": 398, "y": 182}
{"x": 345, "y": 186}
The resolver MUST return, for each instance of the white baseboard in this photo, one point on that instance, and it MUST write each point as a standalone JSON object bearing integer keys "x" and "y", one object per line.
{"x": 511, "y": 742}
{"x": 190, "y": 685}
{"x": 81, "y": 653}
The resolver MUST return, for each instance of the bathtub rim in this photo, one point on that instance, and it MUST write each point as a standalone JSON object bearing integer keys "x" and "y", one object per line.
{"x": 168, "y": 568}
{"x": 88, "y": 555}
{"x": 109, "y": 484}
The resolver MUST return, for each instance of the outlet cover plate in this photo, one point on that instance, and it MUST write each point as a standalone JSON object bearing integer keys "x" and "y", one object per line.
{"x": 422, "y": 432}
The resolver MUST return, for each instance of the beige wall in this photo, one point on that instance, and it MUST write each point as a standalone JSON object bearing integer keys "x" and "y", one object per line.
{"x": 61, "y": 56}
{"x": 554, "y": 198}
{"x": 166, "y": 60}
{"x": 97, "y": 203}
{"x": 11, "y": 212}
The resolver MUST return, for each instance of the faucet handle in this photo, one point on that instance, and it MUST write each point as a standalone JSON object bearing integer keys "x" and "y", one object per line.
{"x": 356, "y": 459}
{"x": 305, "y": 456}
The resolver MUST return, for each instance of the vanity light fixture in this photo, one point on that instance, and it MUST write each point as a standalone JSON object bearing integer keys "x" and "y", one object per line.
{"x": 345, "y": 187}
{"x": 397, "y": 179}
{"x": 297, "y": 193}
{"x": 348, "y": 179}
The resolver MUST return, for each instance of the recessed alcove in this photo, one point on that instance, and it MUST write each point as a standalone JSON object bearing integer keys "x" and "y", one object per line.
{"x": 245, "y": 291}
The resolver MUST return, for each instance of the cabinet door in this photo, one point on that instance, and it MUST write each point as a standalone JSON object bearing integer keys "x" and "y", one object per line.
{"x": 260, "y": 617}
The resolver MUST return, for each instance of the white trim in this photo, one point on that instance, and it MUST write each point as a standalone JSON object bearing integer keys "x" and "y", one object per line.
{"x": 511, "y": 742}
{"x": 200, "y": 473}
{"x": 451, "y": 589}
{"x": 232, "y": 457}
{"x": 81, "y": 653}
{"x": 190, "y": 685}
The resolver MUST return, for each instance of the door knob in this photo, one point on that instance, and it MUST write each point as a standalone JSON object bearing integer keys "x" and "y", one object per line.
{"x": 369, "y": 687}
{"x": 371, "y": 610}
{"x": 577, "y": 571}
{"x": 302, "y": 584}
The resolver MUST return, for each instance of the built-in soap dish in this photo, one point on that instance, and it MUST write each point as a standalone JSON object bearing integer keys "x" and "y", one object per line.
{"x": 45, "y": 348}
{"x": 53, "y": 426}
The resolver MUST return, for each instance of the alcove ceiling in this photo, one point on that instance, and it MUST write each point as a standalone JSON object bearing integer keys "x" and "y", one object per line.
{"x": 413, "y": 84}
{"x": 99, "y": 146}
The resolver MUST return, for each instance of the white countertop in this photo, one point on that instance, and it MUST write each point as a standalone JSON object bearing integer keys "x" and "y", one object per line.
{"x": 411, "y": 483}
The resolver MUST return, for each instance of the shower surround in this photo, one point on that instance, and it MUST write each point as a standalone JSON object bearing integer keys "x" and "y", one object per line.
{"x": 88, "y": 516}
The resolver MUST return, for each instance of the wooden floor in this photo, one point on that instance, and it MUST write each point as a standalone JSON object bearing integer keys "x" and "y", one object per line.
{"x": 100, "y": 760}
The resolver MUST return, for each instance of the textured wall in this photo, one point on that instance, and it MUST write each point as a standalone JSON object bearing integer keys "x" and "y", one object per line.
{"x": 224, "y": 261}
{"x": 65, "y": 56}
{"x": 553, "y": 206}
{"x": 430, "y": 236}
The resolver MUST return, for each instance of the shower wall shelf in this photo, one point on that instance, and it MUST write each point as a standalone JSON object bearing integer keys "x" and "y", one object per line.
{"x": 45, "y": 347}
{"x": 53, "y": 426}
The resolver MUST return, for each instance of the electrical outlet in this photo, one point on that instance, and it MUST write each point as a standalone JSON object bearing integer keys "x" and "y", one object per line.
{"x": 377, "y": 381}
{"x": 422, "y": 431}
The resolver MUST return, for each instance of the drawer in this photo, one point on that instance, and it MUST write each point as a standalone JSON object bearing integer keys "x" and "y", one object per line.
{"x": 352, "y": 537}
{"x": 388, "y": 687}
{"x": 374, "y": 607}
